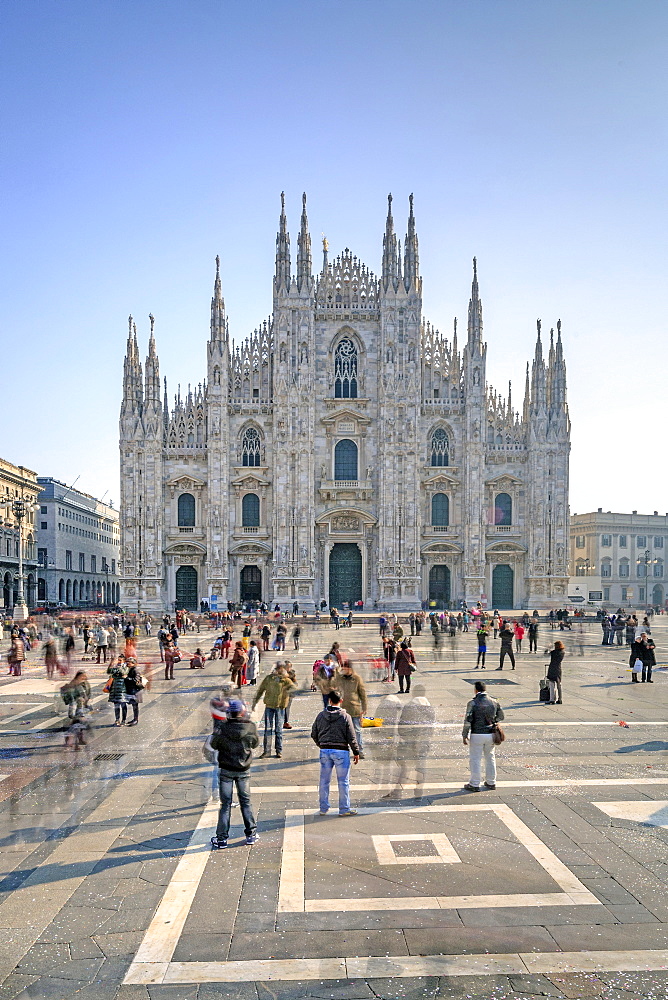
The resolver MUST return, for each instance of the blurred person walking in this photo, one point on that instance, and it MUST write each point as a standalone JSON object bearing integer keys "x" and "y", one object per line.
{"x": 506, "y": 634}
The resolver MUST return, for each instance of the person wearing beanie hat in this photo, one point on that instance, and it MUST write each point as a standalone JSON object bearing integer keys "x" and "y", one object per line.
{"x": 234, "y": 742}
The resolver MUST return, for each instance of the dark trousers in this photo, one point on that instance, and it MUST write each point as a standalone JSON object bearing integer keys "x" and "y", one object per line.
{"x": 646, "y": 672}
{"x": 226, "y": 783}
{"x": 481, "y": 657}
{"x": 120, "y": 711}
{"x": 533, "y": 644}
{"x": 102, "y": 651}
{"x": 169, "y": 670}
{"x": 402, "y": 678}
{"x": 507, "y": 651}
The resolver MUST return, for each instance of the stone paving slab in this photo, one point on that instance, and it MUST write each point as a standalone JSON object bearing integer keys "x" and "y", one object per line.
{"x": 99, "y": 909}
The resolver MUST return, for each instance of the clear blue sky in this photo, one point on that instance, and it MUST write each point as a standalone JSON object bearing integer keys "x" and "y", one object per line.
{"x": 139, "y": 139}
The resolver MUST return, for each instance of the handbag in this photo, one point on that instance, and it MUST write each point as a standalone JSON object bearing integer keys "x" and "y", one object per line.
{"x": 498, "y": 735}
{"x": 107, "y": 686}
{"x": 210, "y": 755}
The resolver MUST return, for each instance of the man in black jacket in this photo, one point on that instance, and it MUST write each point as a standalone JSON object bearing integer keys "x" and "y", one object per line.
{"x": 234, "y": 741}
{"x": 506, "y": 635}
{"x": 334, "y": 733}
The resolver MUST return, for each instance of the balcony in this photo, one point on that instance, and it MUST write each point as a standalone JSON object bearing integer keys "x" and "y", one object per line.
{"x": 494, "y": 530}
{"x": 429, "y": 530}
{"x": 186, "y": 531}
{"x": 251, "y": 529}
{"x": 345, "y": 489}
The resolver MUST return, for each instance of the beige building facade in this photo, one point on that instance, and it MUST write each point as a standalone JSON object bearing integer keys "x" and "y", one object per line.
{"x": 346, "y": 451}
{"x": 17, "y": 483}
{"x": 619, "y": 560}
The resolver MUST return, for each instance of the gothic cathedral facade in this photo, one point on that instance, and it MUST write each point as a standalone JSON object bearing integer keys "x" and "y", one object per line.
{"x": 345, "y": 451}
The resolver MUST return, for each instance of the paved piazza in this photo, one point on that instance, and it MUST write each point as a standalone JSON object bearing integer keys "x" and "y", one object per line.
{"x": 554, "y": 884}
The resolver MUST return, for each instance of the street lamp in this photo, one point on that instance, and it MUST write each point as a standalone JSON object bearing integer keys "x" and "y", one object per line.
{"x": 21, "y": 506}
{"x": 645, "y": 561}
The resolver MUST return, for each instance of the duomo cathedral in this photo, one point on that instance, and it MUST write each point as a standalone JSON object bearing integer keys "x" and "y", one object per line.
{"x": 347, "y": 451}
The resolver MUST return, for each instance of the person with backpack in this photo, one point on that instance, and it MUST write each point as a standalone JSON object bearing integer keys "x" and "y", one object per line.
{"x": 234, "y": 741}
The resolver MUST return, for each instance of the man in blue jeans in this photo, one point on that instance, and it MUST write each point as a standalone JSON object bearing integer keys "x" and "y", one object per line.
{"x": 333, "y": 732}
{"x": 234, "y": 740}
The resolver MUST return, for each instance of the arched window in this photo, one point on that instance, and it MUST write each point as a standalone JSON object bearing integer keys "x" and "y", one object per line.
{"x": 250, "y": 447}
{"x": 580, "y": 568}
{"x": 345, "y": 370}
{"x": 186, "y": 510}
{"x": 606, "y": 567}
{"x": 623, "y": 567}
{"x": 503, "y": 509}
{"x": 250, "y": 511}
{"x": 440, "y": 510}
{"x": 345, "y": 460}
{"x": 439, "y": 448}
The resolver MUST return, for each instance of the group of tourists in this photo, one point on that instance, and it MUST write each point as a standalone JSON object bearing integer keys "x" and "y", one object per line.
{"x": 621, "y": 629}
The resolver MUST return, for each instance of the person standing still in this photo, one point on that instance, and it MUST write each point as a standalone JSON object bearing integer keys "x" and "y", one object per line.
{"x": 533, "y": 635}
{"x": 234, "y": 741}
{"x": 506, "y": 635}
{"x": 481, "y": 635}
{"x": 334, "y": 734}
{"x": 353, "y": 699}
{"x": 554, "y": 672}
{"x": 102, "y": 639}
{"x": 404, "y": 665}
{"x": 482, "y": 714}
{"x": 275, "y": 689}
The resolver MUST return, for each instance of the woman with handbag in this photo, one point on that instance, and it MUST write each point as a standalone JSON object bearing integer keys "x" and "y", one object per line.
{"x": 116, "y": 688}
{"x": 554, "y": 672}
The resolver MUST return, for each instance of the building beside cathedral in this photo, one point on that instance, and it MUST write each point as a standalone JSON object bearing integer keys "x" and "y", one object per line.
{"x": 345, "y": 451}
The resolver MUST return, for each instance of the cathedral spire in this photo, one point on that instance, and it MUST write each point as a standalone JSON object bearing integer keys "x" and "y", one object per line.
{"x": 304, "y": 258}
{"x": 165, "y": 406}
{"x": 282, "y": 278}
{"x": 558, "y": 374}
{"x": 411, "y": 259}
{"x": 475, "y": 313}
{"x": 218, "y": 326}
{"x": 538, "y": 375}
{"x": 391, "y": 265}
{"x": 527, "y": 397}
{"x": 152, "y": 370}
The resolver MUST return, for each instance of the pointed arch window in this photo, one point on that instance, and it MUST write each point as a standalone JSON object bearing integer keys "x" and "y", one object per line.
{"x": 250, "y": 447}
{"x": 440, "y": 451}
{"x": 345, "y": 370}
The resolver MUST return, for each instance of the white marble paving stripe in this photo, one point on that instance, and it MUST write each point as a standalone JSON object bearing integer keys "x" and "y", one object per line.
{"x": 555, "y": 868}
{"x": 264, "y": 970}
{"x": 164, "y": 931}
{"x": 291, "y": 886}
{"x": 445, "y": 902}
{"x": 299, "y": 790}
{"x": 401, "y": 967}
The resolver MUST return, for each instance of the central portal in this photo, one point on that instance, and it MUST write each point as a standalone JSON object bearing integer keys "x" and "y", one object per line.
{"x": 345, "y": 574}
